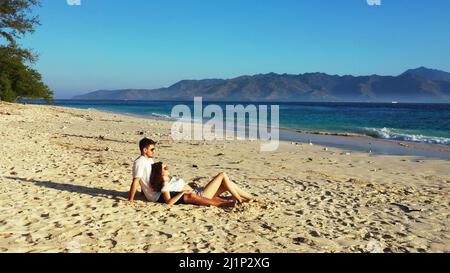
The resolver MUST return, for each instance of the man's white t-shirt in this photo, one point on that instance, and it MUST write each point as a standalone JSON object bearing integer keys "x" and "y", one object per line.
{"x": 142, "y": 168}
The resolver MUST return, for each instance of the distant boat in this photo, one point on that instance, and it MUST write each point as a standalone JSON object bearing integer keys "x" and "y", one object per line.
{"x": 395, "y": 102}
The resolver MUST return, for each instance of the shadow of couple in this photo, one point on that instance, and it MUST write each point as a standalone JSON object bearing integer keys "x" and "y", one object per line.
{"x": 95, "y": 192}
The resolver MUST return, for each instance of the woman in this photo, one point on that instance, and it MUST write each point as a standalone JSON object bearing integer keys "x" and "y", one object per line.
{"x": 175, "y": 191}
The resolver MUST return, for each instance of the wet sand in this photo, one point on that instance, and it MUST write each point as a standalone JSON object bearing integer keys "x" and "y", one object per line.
{"x": 367, "y": 144}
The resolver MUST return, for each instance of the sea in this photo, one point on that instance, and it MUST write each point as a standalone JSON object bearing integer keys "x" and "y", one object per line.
{"x": 405, "y": 122}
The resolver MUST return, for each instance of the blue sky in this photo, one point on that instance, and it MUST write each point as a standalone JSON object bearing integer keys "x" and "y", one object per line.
{"x": 113, "y": 44}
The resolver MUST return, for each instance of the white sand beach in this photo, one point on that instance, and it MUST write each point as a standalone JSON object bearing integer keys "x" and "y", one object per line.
{"x": 65, "y": 175}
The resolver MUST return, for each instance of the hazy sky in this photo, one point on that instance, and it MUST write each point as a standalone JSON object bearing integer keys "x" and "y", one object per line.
{"x": 113, "y": 44}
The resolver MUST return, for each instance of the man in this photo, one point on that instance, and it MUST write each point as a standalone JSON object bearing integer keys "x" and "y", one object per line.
{"x": 142, "y": 169}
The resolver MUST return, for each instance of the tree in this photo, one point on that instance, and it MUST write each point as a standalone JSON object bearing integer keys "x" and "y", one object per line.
{"x": 16, "y": 20}
{"x": 6, "y": 92}
{"x": 17, "y": 78}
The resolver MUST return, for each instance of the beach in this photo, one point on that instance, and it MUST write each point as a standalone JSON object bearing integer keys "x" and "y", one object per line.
{"x": 65, "y": 175}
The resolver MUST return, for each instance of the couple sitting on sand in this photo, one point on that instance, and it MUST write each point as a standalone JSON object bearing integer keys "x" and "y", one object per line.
{"x": 158, "y": 186}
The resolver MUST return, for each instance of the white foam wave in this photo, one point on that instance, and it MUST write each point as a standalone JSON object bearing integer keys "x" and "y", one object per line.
{"x": 162, "y": 116}
{"x": 392, "y": 134}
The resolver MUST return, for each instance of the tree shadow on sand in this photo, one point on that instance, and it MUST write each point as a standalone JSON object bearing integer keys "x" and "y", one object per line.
{"x": 95, "y": 192}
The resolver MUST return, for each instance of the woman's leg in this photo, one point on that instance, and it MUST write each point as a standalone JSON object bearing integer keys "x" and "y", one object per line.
{"x": 194, "y": 199}
{"x": 240, "y": 191}
{"x": 223, "y": 189}
{"x": 219, "y": 185}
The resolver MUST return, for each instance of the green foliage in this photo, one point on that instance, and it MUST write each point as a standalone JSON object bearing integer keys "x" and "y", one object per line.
{"x": 17, "y": 79}
{"x": 16, "y": 19}
{"x": 6, "y": 92}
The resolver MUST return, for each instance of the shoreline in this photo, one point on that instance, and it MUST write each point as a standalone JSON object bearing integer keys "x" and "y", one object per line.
{"x": 346, "y": 141}
{"x": 429, "y": 139}
{"x": 371, "y": 145}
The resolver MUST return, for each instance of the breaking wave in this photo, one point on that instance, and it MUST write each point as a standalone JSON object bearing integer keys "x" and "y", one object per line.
{"x": 392, "y": 134}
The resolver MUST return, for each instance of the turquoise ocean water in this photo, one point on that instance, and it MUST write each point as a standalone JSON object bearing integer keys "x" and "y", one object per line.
{"x": 428, "y": 123}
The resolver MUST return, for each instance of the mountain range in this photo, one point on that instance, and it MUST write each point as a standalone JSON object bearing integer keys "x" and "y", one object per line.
{"x": 414, "y": 85}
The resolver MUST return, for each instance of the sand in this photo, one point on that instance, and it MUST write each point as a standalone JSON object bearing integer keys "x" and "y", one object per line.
{"x": 65, "y": 175}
